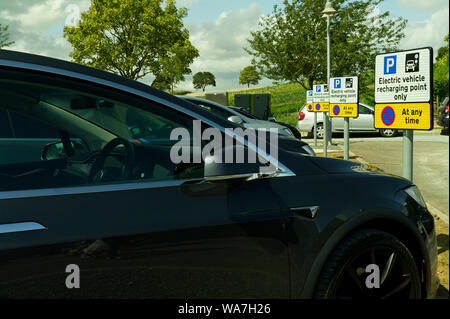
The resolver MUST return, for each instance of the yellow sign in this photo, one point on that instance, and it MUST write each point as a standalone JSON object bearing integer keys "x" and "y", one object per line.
{"x": 318, "y": 107}
{"x": 310, "y": 107}
{"x": 343, "y": 110}
{"x": 404, "y": 116}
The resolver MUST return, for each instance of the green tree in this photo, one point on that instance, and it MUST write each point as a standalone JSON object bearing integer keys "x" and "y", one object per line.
{"x": 291, "y": 42}
{"x": 130, "y": 37}
{"x": 443, "y": 51}
{"x": 4, "y": 36}
{"x": 161, "y": 82}
{"x": 441, "y": 71}
{"x": 249, "y": 75}
{"x": 175, "y": 66}
{"x": 202, "y": 79}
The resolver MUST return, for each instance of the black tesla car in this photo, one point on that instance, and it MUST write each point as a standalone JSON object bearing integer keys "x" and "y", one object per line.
{"x": 108, "y": 209}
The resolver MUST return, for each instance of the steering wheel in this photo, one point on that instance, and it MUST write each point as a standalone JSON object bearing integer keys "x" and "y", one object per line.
{"x": 105, "y": 152}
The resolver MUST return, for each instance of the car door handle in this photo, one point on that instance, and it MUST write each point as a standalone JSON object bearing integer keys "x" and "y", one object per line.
{"x": 20, "y": 227}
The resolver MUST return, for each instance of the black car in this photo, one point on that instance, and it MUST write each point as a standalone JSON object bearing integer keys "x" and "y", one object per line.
{"x": 292, "y": 128}
{"x": 289, "y": 141}
{"x": 108, "y": 211}
{"x": 442, "y": 116}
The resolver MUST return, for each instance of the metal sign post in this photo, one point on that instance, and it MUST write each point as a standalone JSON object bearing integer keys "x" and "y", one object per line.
{"x": 315, "y": 129}
{"x": 403, "y": 96}
{"x": 321, "y": 103}
{"x": 309, "y": 107}
{"x": 344, "y": 99}
{"x": 408, "y": 151}
{"x": 325, "y": 135}
{"x": 346, "y": 138}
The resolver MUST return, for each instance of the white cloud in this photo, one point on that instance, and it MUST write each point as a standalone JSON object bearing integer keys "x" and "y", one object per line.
{"x": 36, "y": 26}
{"x": 424, "y": 5}
{"x": 221, "y": 45}
{"x": 186, "y": 2}
{"x": 40, "y": 16}
{"x": 427, "y": 33}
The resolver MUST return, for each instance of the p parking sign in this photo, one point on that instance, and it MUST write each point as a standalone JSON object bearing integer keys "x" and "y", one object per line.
{"x": 403, "y": 90}
{"x": 321, "y": 98}
{"x": 309, "y": 100}
{"x": 344, "y": 97}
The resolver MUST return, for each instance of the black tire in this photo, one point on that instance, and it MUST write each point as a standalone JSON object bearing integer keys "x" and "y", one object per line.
{"x": 319, "y": 130}
{"x": 344, "y": 274}
{"x": 388, "y": 132}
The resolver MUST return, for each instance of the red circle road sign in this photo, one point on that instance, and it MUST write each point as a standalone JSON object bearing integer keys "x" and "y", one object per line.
{"x": 388, "y": 116}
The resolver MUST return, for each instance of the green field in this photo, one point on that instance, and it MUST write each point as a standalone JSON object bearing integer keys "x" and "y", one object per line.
{"x": 286, "y": 100}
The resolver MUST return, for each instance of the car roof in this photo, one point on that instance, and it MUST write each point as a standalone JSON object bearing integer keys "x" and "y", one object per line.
{"x": 26, "y": 61}
{"x": 200, "y": 100}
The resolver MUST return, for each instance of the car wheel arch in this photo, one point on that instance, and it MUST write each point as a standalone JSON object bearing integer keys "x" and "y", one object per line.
{"x": 395, "y": 224}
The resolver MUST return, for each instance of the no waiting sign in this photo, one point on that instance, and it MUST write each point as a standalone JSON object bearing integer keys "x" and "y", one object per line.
{"x": 344, "y": 97}
{"x": 403, "y": 90}
{"x": 321, "y": 98}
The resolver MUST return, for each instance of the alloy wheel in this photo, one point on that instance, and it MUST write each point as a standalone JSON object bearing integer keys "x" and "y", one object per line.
{"x": 397, "y": 276}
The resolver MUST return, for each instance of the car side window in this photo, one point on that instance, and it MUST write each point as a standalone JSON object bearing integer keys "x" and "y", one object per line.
{"x": 31, "y": 128}
{"x": 98, "y": 117}
{"x": 364, "y": 110}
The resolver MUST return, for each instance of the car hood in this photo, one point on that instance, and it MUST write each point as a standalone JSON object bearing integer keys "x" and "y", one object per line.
{"x": 338, "y": 166}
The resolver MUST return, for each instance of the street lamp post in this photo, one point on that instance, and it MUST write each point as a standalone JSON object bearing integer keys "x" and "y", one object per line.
{"x": 327, "y": 13}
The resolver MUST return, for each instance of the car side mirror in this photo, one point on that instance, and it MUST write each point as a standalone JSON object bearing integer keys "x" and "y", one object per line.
{"x": 216, "y": 168}
{"x": 272, "y": 119}
{"x": 235, "y": 119}
{"x": 53, "y": 151}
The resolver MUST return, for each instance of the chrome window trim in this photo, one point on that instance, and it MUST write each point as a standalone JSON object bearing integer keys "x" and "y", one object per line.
{"x": 282, "y": 170}
{"x": 29, "y": 139}
{"x": 90, "y": 189}
{"x": 20, "y": 227}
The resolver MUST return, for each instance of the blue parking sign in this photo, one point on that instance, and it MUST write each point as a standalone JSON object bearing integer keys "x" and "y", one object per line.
{"x": 390, "y": 64}
{"x": 337, "y": 83}
{"x": 318, "y": 88}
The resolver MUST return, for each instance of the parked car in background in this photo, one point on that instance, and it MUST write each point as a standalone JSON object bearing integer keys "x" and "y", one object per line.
{"x": 364, "y": 123}
{"x": 442, "y": 116}
{"x": 293, "y": 129}
{"x": 235, "y": 116}
{"x": 286, "y": 138}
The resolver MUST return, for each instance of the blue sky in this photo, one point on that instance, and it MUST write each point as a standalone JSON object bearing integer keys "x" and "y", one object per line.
{"x": 218, "y": 28}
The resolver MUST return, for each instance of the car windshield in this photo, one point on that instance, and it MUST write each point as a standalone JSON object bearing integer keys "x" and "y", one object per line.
{"x": 214, "y": 109}
{"x": 240, "y": 111}
{"x": 222, "y": 112}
